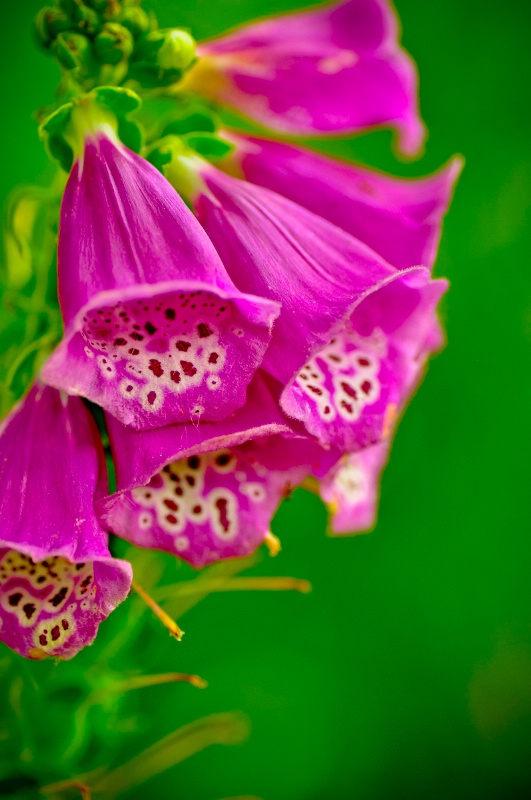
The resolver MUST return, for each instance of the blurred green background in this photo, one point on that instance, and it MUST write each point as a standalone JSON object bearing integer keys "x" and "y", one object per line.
{"x": 406, "y": 673}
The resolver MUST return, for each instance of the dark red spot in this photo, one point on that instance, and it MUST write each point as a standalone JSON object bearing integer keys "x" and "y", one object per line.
{"x": 43, "y": 640}
{"x": 213, "y": 358}
{"x": 85, "y": 582}
{"x": 223, "y": 459}
{"x": 193, "y": 462}
{"x": 347, "y": 406}
{"x": 171, "y": 518}
{"x": 155, "y": 367}
{"x": 182, "y": 345}
{"x": 190, "y": 480}
{"x": 334, "y": 358}
{"x": 188, "y": 368}
{"x": 171, "y": 504}
{"x": 59, "y": 597}
{"x": 152, "y": 396}
{"x": 315, "y": 390}
{"x": 203, "y": 330}
{"x": 169, "y": 313}
{"x": 120, "y": 341}
{"x": 14, "y": 599}
{"x": 64, "y": 623}
{"x": 55, "y": 633}
{"x": 197, "y": 509}
{"x": 221, "y": 505}
{"x": 136, "y": 336}
{"x": 150, "y": 328}
{"x": 175, "y": 375}
{"x": 366, "y": 386}
{"x": 40, "y": 579}
{"x": 80, "y": 566}
{"x": 178, "y": 491}
{"x": 133, "y": 351}
{"x": 363, "y": 362}
{"x": 29, "y": 610}
{"x": 347, "y": 388}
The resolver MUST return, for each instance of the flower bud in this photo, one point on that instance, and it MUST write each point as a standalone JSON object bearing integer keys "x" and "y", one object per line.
{"x": 86, "y": 19}
{"x": 177, "y": 50}
{"x": 135, "y": 20}
{"x": 49, "y": 23}
{"x": 113, "y": 44}
{"x": 72, "y": 50}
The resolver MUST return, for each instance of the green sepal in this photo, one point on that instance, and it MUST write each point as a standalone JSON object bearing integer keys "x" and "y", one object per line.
{"x": 52, "y": 131}
{"x": 118, "y": 101}
{"x": 207, "y": 145}
{"x": 122, "y": 102}
{"x": 195, "y": 121}
{"x": 159, "y": 157}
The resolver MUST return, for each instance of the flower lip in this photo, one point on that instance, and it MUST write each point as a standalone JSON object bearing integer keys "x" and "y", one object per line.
{"x": 209, "y": 491}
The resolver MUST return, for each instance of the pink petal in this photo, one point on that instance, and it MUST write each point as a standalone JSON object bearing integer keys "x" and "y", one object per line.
{"x": 336, "y": 68}
{"x": 350, "y": 490}
{"x": 58, "y": 580}
{"x": 155, "y": 331}
{"x": 400, "y": 219}
{"x": 208, "y": 492}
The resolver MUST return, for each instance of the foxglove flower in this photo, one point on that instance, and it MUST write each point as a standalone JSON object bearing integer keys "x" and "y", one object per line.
{"x": 350, "y": 489}
{"x": 353, "y": 330}
{"x": 332, "y": 69}
{"x": 400, "y": 219}
{"x": 155, "y": 330}
{"x": 209, "y": 491}
{"x": 58, "y": 580}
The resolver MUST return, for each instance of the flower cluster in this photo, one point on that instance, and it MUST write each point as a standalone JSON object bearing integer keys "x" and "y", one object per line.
{"x": 250, "y": 315}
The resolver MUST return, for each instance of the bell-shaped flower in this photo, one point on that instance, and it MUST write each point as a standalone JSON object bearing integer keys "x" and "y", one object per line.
{"x": 400, "y": 219}
{"x": 58, "y": 580}
{"x": 352, "y": 331}
{"x": 350, "y": 490}
{"x": 209, "y": 491}
{"x": 335, "y": 68}
{"x": 155, "y": 330}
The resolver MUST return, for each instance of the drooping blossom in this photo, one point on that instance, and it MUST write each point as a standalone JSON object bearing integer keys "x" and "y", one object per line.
{"x": 353, "y": 331}
{"x": 350, "y": 489}
{"x": 209, "y": 491}
{"x": 58, "y": 580}
{"x": 335, "y": 68}
{"x": 155, "y": 330}
{"x": 400, "y": 219}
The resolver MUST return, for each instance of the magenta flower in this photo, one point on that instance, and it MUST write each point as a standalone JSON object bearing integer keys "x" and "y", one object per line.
{"x": 350, "y": 489}
{"x": 400, "y": 219}
{"x": 331, "y": 69}
{"x": 155, "y": 330}
{"x": 353, "y": 330}
{"x": 58, "y": 580}
{"x": 209, "y": 491}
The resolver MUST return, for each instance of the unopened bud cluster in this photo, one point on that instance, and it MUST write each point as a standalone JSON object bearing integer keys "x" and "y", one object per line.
{"x": 92, "y": 38}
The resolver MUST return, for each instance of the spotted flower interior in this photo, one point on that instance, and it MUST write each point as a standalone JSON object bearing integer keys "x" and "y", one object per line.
{"x": 171, "y": 352}
{"x": 49, "y": 608}
{"x": 202, "y": 508}
{"x": 346, "y": 391}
